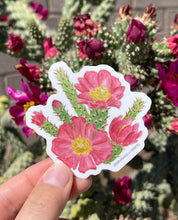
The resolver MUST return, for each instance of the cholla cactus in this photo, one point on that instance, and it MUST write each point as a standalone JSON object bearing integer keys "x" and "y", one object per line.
{"x": 131, "y": 47}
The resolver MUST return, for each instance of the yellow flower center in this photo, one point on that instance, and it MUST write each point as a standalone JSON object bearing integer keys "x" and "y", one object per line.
{"x": 81, "y": 146}
{"x": 100, "y": 93}
{"x": 28, "y": 105}
{"x": 174, "y": 76}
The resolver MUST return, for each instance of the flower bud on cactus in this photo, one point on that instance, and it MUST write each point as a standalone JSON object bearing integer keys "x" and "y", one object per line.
{"x": 125, "y": 12}
{"x": 136, "y": 32}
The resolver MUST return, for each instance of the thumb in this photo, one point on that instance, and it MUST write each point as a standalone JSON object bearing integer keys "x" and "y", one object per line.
{"x": 49, "y": 197}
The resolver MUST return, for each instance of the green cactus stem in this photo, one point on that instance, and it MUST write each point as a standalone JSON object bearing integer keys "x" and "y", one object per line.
{"x": 99, "y": 117}
{"x": 49, "y": 128}
{"x": 64, "y": 35}
{"x": 36, "y": 33}
{"x": 71, "y": 93}
{"x": 135, "y": 109}
{"x": 116, "y": 150}
{"x": 103, "y": 11}
{"x": 62, "y": 114}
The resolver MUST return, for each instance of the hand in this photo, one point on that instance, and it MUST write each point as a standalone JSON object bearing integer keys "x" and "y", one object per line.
{"x": 40, "y": 192}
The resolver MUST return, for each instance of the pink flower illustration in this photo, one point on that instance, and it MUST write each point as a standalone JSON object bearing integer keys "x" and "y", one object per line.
{"x": 49, "y": 49}
{"x": 15, "y": 42}
{"x": 122, "y": 192}
{"x": 38, "y": 118}
{"x": 173, "y": 44}
{"x": 100, "y": 90}
{"x": 80, "y": 145}
{"x": 122, "y": 132}
{"x": 30, "y": 71}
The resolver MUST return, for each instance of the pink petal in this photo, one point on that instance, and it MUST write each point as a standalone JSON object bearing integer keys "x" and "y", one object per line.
{"x": 90, "y": 130}
{"x": 86, "y": 163}
{"x": 79, "y": 126}
{"x": 83, "y": 85}
{"x": 99, "y": 138}
{"x": 91, "y": 78}
{"x": 71, "y": 160}
{"x": 66, "y": 131}
{"x": 85, "y": 96}
{"x": 104, "y": 78}
{"x": 114, "y": 101}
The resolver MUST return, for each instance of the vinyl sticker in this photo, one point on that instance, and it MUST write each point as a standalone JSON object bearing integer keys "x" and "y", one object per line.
{"x": 93, "y": 122}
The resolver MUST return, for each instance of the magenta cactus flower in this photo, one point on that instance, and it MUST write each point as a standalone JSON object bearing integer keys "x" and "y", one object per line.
{"x": 122, "y": 192}
{"x": 49, "y": 49}
{"x": 15, "y": 42}
{"x": 148, "y": 121}
{"x": 122, "y": 132}
{"x": 93, "y": 49}
{"x": 84, "y": 25}
{"x": 38, "y": 9}
{"x": 132, "y": 80}
{"x": 169, "y": 81}
{"x": 30, "y": 71}
{"x": 24, "y": 99}
{"x": 136, "y": 32}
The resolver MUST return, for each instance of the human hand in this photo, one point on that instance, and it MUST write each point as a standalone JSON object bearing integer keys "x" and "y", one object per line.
{"x": 40, "y": 192}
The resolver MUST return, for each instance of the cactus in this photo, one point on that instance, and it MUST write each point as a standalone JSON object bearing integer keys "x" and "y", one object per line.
{"x": 70, "y": 92}
{"x": 64, "y": 35}
{"x": 102, "y": 12}
{"x": 23, "y": 161}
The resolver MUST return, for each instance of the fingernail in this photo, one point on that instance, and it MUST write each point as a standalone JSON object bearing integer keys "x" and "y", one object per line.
{"x": 56, "y": 175}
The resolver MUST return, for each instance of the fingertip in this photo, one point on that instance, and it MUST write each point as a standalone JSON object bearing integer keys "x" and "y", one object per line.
{"x": 80, "y": 185}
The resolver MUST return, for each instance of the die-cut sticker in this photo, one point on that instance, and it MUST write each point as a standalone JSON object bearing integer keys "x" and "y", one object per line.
{"x": 93, "y": 122}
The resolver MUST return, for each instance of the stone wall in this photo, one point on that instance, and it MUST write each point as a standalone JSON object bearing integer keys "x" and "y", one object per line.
{"x": 165, "y": 15}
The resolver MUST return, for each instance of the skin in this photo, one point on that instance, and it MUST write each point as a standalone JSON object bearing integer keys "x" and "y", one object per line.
{"x": 30, "y": 195}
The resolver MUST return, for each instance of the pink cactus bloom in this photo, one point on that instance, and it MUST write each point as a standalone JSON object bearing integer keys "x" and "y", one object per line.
{"x": 169, "y": 81}
{"x": 122, "y": 192}
{"x": 173, "y": 44}
{"x": 174, "y": 126}
{"x": 15, "y": 42}
{"x": 93, "y": 49}
{"x": 38, "y": 118}
{"x": 100, "y": 90}
{"x": 31, "y": 72}
{"x": 84, "y": 25}
{"x": 122, "y": 132}
{"x": 80, "y": 145}
{"x": 56, "y": 104}
{"x": 25, "y": 99}
{"x": 136, "y": 32}
{"x": 49, "y": 48}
